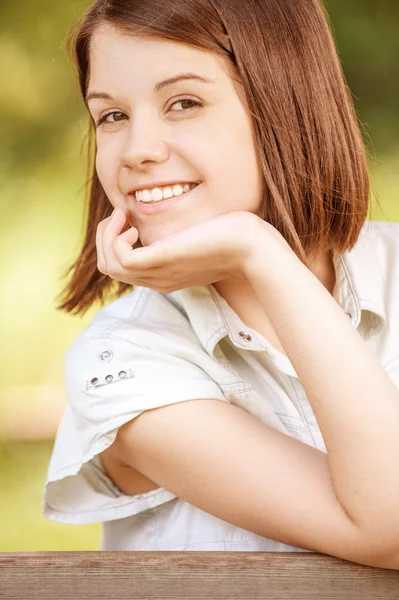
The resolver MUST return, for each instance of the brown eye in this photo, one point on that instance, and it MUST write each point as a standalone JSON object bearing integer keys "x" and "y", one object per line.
{"x": 105, "y": 117}
{"x": 183, "y": 101}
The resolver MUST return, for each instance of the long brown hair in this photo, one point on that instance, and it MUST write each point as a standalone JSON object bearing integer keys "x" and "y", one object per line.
{"x": 312, "y": 155}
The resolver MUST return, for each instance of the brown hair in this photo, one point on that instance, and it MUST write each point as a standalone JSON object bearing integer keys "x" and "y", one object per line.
{"x": 312, "y": 155}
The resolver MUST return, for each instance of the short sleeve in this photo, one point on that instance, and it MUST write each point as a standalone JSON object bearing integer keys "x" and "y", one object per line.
{"x": 110, "y": 381}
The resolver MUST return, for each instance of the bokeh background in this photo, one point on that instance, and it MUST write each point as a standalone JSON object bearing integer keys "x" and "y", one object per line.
{"x": 43, "y": 126}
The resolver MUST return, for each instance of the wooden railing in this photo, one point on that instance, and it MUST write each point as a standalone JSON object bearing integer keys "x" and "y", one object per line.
{"x": 178, "y": 575}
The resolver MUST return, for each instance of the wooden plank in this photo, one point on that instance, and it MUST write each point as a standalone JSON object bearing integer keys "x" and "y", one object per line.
{"x": 178, "y": 575}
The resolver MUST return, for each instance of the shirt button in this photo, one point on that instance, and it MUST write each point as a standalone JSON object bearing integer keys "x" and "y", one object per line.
{"x": 109, "y": 378}
{"x": 106, "y": 355}
{"x": 94, "y": 381}
{"x": 245, "y": 336}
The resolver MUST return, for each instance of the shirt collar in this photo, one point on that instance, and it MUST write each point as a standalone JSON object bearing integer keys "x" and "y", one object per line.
{"x": 358, "y": 290}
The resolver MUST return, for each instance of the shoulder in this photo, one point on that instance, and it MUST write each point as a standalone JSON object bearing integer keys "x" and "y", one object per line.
{"x": 386, "y": 233}
{"x": 135, "y": 310}
{"x": 379, "y": 241}
{"x": 142, "y": 335}
{"x": 142, "y": 317}
{"x": 379, "y": 272}
{"x": 139, "y": 353}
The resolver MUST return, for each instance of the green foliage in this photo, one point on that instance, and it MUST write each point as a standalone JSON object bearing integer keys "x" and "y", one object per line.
{"x": 366, "y": 35}
{"x": 38, "y": 91}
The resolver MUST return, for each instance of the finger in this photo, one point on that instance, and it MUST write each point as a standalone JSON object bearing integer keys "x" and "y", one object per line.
{"x": 112, "y": 228}
{"x": 123, "y": 247}
{"x": 138, "y": 260}
{"x": 130, "y": 236}
{"x": 100, "y": 252}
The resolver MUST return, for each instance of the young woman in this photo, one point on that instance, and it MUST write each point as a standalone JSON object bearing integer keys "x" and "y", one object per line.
{"x": 241, "y": 391}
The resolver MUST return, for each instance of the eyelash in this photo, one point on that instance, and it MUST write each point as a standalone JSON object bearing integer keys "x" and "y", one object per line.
{"x": 101, "y": 120}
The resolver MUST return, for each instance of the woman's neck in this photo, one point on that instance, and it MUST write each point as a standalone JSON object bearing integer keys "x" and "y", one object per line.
{"x": 241, "y": 297}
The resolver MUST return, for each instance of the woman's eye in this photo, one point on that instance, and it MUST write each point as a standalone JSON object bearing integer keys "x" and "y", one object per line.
{"x": 105, "y": 117}
{"x": 184, "y": 100}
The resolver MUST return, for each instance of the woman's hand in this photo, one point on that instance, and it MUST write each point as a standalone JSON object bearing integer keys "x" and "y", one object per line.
{"x": 201, "y": 254}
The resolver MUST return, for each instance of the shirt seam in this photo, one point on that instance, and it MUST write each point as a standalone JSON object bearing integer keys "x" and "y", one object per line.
{"x": 107, "y": 330}
{"x": 301, "y": 411}
{"x": 352, "y": 290}
{"x": 134, "y": 500}
{"x": 389, "y": 364}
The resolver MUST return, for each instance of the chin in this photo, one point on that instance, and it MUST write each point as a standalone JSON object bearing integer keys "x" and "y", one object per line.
{"x": 149, "y": 235}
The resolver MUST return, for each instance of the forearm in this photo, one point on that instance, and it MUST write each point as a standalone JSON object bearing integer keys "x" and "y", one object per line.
{"x": 355, "y": 402}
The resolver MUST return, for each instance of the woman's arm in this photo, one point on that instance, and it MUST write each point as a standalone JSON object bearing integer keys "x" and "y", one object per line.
{"x": 229, "y": 464}
{"x": 232, "y": 466}
{"x": 355, "y": 402}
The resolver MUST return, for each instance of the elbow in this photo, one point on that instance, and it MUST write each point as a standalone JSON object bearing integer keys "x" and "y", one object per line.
{"x": 377, "y": 545}
{"x": 388, "y": 560}
{"x": 377, "y": 552}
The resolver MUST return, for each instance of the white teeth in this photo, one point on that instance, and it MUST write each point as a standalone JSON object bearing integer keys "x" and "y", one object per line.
{"x": 177, "y": 190}
{"x": 158, "y": 194}
{"x": 146, "y": 196}
{"x": 168, "y": 192}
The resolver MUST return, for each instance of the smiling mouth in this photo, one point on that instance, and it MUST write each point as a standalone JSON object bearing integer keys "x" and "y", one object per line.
{"x": 140, "y": 201}
{"x": 149, "y": 208}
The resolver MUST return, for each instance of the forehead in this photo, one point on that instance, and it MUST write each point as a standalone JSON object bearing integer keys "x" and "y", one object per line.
{"x": 115, "y": 54}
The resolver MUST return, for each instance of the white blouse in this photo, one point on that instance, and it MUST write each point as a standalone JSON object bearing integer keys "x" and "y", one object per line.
{"x": 147, "y": 349}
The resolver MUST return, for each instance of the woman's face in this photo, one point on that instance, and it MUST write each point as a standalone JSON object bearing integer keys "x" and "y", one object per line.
{"x": 162, "y": 135}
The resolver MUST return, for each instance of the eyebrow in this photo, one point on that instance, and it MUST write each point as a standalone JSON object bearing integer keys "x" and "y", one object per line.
{"x": 161, "y": 84}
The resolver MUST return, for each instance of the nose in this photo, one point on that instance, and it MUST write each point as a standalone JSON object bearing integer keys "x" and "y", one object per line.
{"x": 143, "y": 142}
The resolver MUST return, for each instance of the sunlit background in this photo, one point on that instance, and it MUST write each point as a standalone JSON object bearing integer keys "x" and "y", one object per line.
{"x": 42, "y": 130}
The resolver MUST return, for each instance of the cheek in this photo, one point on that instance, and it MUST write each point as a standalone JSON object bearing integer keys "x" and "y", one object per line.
{"x": 231, "y": 156}
{"x": 236, "y": 175}
{"x": 106, "y": 169}
{"x": 100, "y": 164}
{"x": 245, "y": 169}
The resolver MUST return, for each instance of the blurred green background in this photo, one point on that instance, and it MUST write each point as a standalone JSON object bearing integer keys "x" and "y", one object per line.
{"x": 42, "y": 130}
